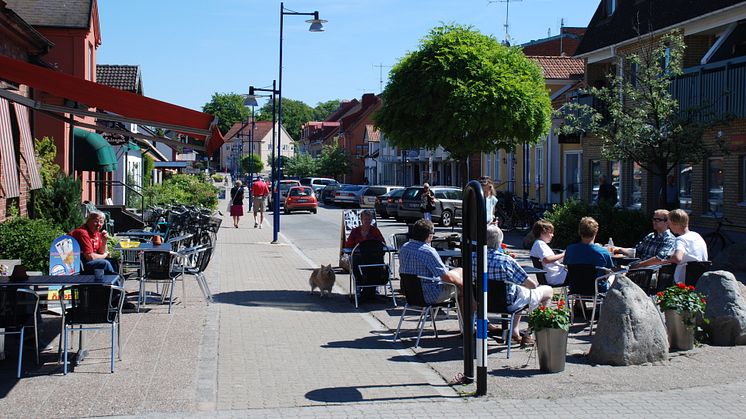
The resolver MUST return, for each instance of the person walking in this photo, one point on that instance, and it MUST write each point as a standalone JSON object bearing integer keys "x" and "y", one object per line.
{"x": 237, "y": 203}
{"x": 606, "y": 191}
{"x": 260, "y": 191}
{"x": 427, "y": 202}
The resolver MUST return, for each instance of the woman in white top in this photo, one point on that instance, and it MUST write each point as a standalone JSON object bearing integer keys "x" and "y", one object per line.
{"x": 690, "y": 246}
{"x": 490, "y": 199}
{"x": 544, "y": 231}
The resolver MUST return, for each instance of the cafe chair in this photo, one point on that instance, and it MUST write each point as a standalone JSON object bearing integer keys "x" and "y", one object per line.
{"x": 664, "y": 277}
{"x": 368, "y": 268}
{"x": 397, "y": 241}
{"x": 645, "y": 278}
{"x": 695, "y": 270}
{"x": 92, "y": 307}
{"x": 411, "y": 287}
{"x": 194, "y": 261}
{"x": 542, "y": 277}
{"x": 582, "y": 282}
{"x": 18, "y": 310}
{"x": 160, "y": 267}
{"x": 497, "y": 305}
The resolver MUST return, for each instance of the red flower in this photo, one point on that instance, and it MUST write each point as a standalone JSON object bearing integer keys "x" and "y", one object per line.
{"x": 503, "y": 246}
{"x": 561, "y": 304}
{"x": 660, "y": 294}
{"x": 703, "y": 300}
{"x": 690, "y": 287}
{"x": 542, "y": 308}
{"x": 681, "y": 285}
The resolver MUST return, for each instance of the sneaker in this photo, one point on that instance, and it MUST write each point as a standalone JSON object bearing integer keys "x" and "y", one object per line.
{"x": 260, "y": 226}
{"x": 256, "y": 225}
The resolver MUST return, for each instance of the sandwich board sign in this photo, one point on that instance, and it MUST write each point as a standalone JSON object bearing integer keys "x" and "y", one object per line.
{"x": 64, "y": 259}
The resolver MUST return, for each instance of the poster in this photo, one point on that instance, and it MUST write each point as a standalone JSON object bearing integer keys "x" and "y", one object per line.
{"x": 64, "y": 259}
{"x": 350, "y": 220}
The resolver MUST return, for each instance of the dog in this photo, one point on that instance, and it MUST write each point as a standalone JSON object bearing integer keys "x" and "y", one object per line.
{"x": 322, "y": 278}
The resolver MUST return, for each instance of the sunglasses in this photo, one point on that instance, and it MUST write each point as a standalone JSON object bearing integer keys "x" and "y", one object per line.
{"x": 662, "y": 220}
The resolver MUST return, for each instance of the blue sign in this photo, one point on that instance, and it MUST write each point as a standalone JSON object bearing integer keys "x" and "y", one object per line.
{"x": 64, "y": 256}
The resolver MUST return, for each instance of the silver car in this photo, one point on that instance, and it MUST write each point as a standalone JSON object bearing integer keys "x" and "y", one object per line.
{"x": 349, "y": 195}
{"x": 372, "y": 192}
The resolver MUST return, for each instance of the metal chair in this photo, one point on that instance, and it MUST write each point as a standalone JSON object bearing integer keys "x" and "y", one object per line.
{"x": 92, "y": 304}
{"x": 497, "y": 304}
{"x": 582, "y": 281}
{"x": 542, "y": 277}
{"x": 397, "y": 241}
{"x": 194, "y": 261}
{"x": 411, "y": 286}
{"x": 18, "y": 310}
{"x": 664, "y": 278}
{"x": 160, "y": 267}
{"x": 694, "y": 270}
{"x": 368, "y": 268}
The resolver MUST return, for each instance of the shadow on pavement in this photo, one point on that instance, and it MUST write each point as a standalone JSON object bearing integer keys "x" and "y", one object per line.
{"x": 355, "y": 394}
{"x": 296, "y": 300}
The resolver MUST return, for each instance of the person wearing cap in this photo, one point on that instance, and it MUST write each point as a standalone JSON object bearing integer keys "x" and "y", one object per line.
{"x": 427, "y": 202}
{"x": 260, "y": 191}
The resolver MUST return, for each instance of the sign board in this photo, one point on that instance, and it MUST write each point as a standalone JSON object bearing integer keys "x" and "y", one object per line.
{"x": 350, "y": 220}
{"x": 64, "y": 259}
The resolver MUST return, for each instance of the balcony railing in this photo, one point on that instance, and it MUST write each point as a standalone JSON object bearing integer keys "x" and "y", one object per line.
{"x": 717, "y": 89}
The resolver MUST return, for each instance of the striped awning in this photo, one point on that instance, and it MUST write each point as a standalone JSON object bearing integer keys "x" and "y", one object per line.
{"x": 27, "y": 146}
{"x": 7, "y": 154}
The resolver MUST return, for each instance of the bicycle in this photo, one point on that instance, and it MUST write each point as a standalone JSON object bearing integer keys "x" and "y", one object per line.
{"x": 718, "y": 240}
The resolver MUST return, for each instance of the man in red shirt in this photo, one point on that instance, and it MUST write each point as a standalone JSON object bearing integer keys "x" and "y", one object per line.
{"x": 260, "y": 191}
{"x": 92, "y": 240}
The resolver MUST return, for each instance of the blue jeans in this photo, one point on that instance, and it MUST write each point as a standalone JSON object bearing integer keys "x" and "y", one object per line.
{"x": 108, "y": 265}
{"x": 427, "y": 215}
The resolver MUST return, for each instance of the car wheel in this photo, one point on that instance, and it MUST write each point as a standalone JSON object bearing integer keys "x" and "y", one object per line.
{"x": 287, "y": 210}
{"x": 446, "y": 218}
{"x": 314, "y": 210}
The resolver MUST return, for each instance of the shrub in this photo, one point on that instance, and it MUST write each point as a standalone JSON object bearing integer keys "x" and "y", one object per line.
{"x": 59, "y": 202}
{"x": 184, "y": 189}
{"x": 218, "y": 178}
{"x": 28, "y": 240}
{"x": 627, "y": 227}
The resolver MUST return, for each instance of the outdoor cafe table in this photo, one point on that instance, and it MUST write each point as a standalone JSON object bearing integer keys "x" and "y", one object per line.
{"x": 143, "y": 247}
{"x": 533, "y": 271}
{"x": 61, "y": 281}
{"x": 137, "y": 234}
{"x": 621, "y": 260}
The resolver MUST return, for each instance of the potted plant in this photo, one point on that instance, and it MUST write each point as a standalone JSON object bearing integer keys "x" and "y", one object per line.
{"x": 551, "y": 326}
{"x": 681, "y": 306}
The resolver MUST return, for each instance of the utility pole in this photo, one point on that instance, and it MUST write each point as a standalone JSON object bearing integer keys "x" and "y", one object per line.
{"x": 380, "y": 75}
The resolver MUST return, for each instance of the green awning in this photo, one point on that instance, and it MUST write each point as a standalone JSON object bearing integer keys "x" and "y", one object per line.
{"x": 93, "y": 152}
{"x": 132, "y": 146}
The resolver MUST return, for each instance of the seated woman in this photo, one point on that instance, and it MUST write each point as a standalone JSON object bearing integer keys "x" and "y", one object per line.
{"x": 92, "y": 240}
{"x": 544, "y": 231}
{"x": 365, "y": 231}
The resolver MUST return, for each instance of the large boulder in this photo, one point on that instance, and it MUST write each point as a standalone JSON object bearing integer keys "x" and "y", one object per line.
{"x": 725, "y": 310}
{"x": 630, "y": 329}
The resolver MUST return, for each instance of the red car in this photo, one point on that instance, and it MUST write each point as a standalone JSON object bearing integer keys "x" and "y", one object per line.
{"x": 301, "y": 198}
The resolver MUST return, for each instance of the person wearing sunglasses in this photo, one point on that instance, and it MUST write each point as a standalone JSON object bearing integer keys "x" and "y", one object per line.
{"x": 657, "y": 246}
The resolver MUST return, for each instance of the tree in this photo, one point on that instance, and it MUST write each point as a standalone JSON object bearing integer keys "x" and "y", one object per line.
{"x": 466, "y": 92}
{"x": 46, "y": 151}
{"x": 324, "y": 109}
{"x": 228, "y": 108}
{"x": 334, "y": 161}
{"x": 301, "y": 165}
{"x": 638, "y": 119}
{"x": 257, "y": 165}
{"x": 294, "y": 114}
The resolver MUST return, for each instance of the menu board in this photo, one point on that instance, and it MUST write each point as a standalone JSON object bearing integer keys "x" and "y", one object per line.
{"x": 64, "y": 259}
{"x": 350, "y": 220}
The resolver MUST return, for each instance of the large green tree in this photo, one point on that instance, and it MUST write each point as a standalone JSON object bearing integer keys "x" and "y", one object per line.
{"x": 334, "y": 161}
{"x": 253, "y": 162}
{"x": 294, "y": 114}
{"x": 466, "y": 92}
{"x": 637, "y": 118}
{"x": 228, "y": 108}
{"x": 324, "y": 109}
{"x": 301, "y": 165}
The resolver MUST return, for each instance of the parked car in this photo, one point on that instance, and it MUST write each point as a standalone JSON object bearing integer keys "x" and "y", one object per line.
{"x": 368, "y": 199}
{"x": 349, "y": 195}
{"x": 388, "y": 203}
{"x": 447, "y": 210}
{"x": 285, "y": 185}
{"x": 317, "y": 183}
{"x": 327, "y": 194}
{"x": 301, "y": 198}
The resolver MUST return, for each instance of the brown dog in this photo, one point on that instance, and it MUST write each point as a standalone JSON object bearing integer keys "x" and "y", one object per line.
{"x": 322, "y": 278}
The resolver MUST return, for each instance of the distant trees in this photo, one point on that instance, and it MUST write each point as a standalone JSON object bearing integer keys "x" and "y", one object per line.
{"x": 334, "y": 161}
{"x": 252, "y": 163}
{"x": 296, "y": 113}
{"x": 228, "y": 108}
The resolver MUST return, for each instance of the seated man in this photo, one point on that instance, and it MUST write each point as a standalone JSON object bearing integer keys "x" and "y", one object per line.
{"x": 656, "y": 246}
{"x": 92, "y": 240}
{"x": 521, "y": 289}
{"x": 587, "y": 252}
{"x": 690, "y": 247}
{"x": 417, "y": 257}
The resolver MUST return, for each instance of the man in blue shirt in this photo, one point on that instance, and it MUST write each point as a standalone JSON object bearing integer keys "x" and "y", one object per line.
{"x": 587, "y": 252}
{"x": 656, "y": 246}
{"x": 417, "y": 257}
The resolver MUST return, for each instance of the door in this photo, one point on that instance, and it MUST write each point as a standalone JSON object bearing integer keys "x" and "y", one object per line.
{"x": 573, "y": 178}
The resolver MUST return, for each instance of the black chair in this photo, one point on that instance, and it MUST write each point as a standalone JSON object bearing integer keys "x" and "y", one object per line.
{"x": 665, "y": 277}
{"x": 582, "y": 281}
{"x": 497, "y": 303}
{"x": 92, "y": 304}
{"x": 695, "y": 270}
{"x": 368, "y": 268}
{"x": 18, "y": 310}
{"x": 411, "y": 287}
{"x": 160, "y": 267}
{"x": 397, "y": 241}
{"x": 194, "y": 261}
{"x": 644, "y": 278}
{"x": 542, "y": 277}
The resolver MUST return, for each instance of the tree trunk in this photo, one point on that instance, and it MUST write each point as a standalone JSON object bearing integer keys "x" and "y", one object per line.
{"x": 463, "y": 169}
{"x": 657, "y": 188}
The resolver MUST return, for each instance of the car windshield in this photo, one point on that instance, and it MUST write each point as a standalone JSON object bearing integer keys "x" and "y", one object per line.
{"x": 301, "y": 192}
{"x": 325, "y": 181}
{"x": 305, "y": 181}
{"x": 413, "y": 193}
{"x": 397, "y": 193}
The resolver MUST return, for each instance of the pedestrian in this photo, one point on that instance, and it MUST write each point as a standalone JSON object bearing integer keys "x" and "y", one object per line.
{"x": 260, "y": 191}
{"x": 606, "y": 191}
{"x": 237, "y": 203}
{"x": 92, "y": 239}
{"x": 427, "y": 202}
{"x": 490, "y": 200}
{"x": 672, "y": 193}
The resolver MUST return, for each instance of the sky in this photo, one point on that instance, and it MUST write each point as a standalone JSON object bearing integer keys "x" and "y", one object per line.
{"x": 188, "y": 50}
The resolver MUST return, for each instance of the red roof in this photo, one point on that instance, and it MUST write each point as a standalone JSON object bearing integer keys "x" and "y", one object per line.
{"x": 558, "y": 67}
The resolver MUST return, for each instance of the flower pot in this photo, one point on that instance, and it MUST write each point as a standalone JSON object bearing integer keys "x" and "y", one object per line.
{"x": 680, "y": 336}
{"x": 552, "y": 347}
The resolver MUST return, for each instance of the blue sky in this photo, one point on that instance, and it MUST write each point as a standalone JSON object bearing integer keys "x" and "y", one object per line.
{"x": 190, "y": 49}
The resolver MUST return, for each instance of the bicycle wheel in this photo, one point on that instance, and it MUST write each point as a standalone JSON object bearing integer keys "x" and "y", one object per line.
{"x": 715, "y": 243}
{"x": 505, "y": 221}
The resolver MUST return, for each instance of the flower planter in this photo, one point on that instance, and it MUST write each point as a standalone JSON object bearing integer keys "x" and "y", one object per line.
{"x": 552, "y": 348}
{"x": 680, "y": 336}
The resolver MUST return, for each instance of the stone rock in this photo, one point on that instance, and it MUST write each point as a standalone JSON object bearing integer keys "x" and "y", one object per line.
{"x": 630, "y": 329}
{"x": 731, "y": 258}
{"x": 726, "y": 308}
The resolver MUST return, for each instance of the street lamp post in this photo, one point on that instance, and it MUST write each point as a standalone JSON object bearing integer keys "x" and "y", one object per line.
{"x": 317, "y": 25}
{"x": 251, "y": 99}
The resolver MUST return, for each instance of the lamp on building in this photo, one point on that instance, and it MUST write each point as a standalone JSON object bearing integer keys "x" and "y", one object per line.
{"x": 317, "y": 25}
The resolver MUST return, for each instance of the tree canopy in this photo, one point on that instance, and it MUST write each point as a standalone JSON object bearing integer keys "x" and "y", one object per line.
{"x": 252, "y": 163}
{"x": 334, "y": 161}
{"x": 228, "y": 108}
{"x": 466, "y": 92}
{"x": 294, "y": 114}
{"x": 301, "y": 165}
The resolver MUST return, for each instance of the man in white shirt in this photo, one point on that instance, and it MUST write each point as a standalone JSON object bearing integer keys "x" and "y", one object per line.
{"x": 690, "y": 246}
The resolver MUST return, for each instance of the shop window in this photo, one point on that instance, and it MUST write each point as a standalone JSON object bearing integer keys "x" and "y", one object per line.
{"x": 595, "y": 173}
{"x": 615, "y": 177}
{"x": 685, "y": 186}
{"x": 539, "y": 167}
{"x": 715, "y": 186}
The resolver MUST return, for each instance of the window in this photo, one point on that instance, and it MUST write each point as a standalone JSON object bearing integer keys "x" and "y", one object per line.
{"x": 488, "y": 164}
{"x": 615, "y": 177}
{"x": 634, "y": 69}
{"x": 685, "y": 186}
{"x": 497, "y": 166}
{"x": 539, "y": 167}
{"x": 610, "y": 7}
{"x": 715, "y": 186}
{"x": 636, "y": 201}
{"x": 595, "y": 167}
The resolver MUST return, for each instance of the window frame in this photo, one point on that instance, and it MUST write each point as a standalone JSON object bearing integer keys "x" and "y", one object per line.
{"x": 708, "y": 199}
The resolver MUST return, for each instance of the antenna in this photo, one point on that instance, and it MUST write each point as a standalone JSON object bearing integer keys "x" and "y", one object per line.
{"x": 380, "y": 75}
{"x": 507, "y": 12}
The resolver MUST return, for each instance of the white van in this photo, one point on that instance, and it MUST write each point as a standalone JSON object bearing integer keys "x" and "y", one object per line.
{"x": 317, "y": 183}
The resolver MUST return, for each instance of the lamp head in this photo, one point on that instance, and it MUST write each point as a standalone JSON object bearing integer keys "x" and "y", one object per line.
{"x": 250, "y": 99}
{"x": 317, "y": 25}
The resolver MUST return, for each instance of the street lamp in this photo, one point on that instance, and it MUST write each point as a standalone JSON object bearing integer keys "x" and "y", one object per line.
{"x": 317, "y": 25}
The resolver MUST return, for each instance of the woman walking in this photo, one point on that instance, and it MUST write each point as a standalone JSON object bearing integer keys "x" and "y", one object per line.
{"x": 237, "y": 203}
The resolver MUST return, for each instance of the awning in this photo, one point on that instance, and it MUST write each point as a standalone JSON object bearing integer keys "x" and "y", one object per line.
{"x": 7, "y": 154}
{"x": 27, "y": 146}
{"x": 93, "y": 152}
{"x": 132, "y": 107}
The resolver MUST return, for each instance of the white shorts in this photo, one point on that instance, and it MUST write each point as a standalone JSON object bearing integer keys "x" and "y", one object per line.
{"x": 527, "y": 296}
